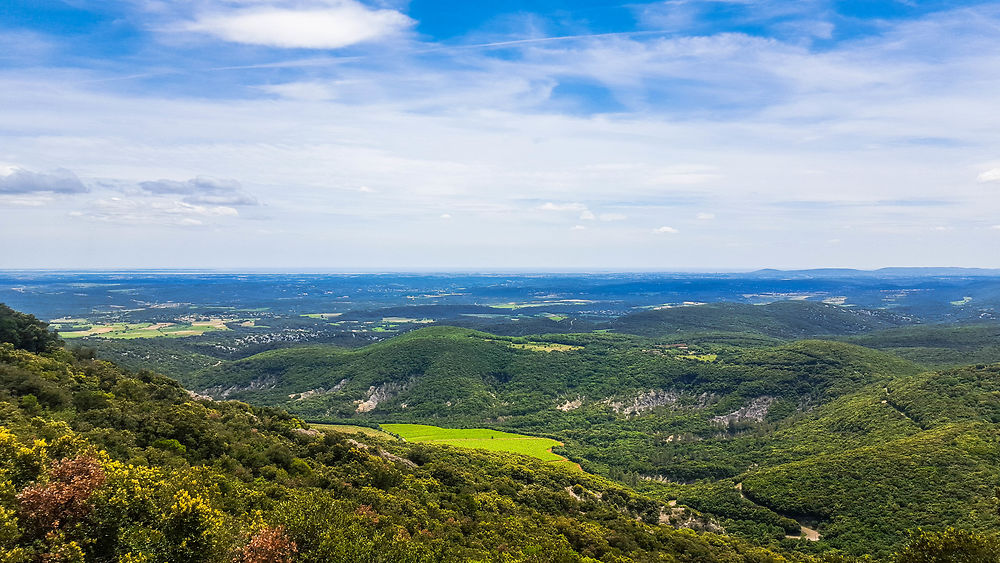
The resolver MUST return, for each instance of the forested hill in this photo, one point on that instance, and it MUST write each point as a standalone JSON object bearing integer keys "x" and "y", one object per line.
{"x": 781, "y": 319}
{"x": 800, "y": 427}
{"x": 104, "y": 464}
{"x": 101, "y": 464}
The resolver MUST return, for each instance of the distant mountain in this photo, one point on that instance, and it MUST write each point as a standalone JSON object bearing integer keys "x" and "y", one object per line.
{"x": 894, "y": 272}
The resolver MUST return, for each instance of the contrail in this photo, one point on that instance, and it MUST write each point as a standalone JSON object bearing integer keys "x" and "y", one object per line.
{"x": 324, "y": 61}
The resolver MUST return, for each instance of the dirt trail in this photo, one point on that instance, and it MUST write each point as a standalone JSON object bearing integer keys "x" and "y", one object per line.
{"x": 804, "y": 531}
{"x": 807, "y": 533}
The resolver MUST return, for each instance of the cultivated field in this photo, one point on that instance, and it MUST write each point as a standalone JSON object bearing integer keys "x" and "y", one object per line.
{"x": 142, "y": 330}
{"x": 481, "y": 438}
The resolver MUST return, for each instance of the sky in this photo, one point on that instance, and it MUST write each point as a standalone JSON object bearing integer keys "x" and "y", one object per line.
{"x": 542, "y": 135}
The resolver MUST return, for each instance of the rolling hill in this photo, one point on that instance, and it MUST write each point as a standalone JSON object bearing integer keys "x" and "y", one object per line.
{"x": 800, "y": 426}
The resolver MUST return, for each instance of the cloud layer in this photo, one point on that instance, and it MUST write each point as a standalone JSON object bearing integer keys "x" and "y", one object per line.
{"x": 526, "y": 142}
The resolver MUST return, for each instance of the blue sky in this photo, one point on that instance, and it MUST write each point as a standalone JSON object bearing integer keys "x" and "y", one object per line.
{"x": 426, "y": 134}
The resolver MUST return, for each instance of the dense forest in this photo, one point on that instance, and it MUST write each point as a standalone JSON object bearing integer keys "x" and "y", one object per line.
{"x": 101, "y": 463}
{"x": 686, "y": 420}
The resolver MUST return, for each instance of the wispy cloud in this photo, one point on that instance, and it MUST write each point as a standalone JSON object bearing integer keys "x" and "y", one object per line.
{"x": 202, "y": 190}
{"x": 155, "y": 212}
{"x": 551, "y": 206}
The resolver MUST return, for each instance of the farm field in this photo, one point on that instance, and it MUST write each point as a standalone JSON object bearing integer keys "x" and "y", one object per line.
{"x": 480, "y": 438}
{"x": 145, "y": 330}
{"x": 352, "y": 429}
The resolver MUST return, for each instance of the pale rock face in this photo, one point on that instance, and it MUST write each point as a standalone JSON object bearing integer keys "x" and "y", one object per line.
{"x": 380, "y": 394}
{"x": 222, "y": 392}
{"x": 645, "y": 401}
{"x": 754, "y": 411}
{"x": 655, "y": 398}
{"x": 571, "y": 405}
{"x": 318, "y": 391}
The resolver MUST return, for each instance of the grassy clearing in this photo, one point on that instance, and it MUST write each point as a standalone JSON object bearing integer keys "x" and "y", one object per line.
{"x": 321, "y": 315}
{"x": 352, "y": 429}
{"x": 700, "y": 357}
{"x": 480, "y": 438}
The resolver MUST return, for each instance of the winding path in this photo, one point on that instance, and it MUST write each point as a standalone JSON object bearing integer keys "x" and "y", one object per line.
{"x": 804, "y": 531}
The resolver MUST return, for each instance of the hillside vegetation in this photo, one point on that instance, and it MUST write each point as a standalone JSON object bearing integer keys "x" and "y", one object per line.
{"x": 781, "y": 319}
{"x": 102, "y": 464}
{"x": 808, "y": 430}
{"x": 938, "y": 345}
{"x": 714, "y": 447}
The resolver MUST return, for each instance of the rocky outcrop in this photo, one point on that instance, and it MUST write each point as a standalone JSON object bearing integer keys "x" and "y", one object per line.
{"x": 571, "y": 405}
{"x": 224, "y": 392}
{"x": 381, "y": 453}
{"x": 684, "y": 517}
{"x": 654, "y": 398}
{"x": 754, "y": 411}
{"x": 380, "y": 394}
{"x": 200, "y": 397}
{"x": 645, "y": 401}
{"x": 318, "y": 391}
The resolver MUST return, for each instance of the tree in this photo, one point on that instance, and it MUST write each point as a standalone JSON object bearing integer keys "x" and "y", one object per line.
{"x": 950, "y": 546}
{"x": 25, "y": 331}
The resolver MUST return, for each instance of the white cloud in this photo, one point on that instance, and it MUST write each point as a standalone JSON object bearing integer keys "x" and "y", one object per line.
{"x": 446, "y": 215}
{"x": 705, "y": 216}
{"x": 327, "y": 24}
{"x": 587, "y": 215}
{"x": 992, "y": 175}
{"x": 154, "y": 211}
{"x": 666, "y": 231}
{"x": 578, "y": 228}
{"x": 21, "y": 181}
